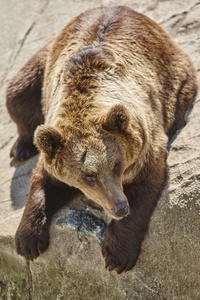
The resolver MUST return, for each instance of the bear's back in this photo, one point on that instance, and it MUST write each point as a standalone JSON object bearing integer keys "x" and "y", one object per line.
{"x": 117, "y": 28}
{"x": 134, "y": 46}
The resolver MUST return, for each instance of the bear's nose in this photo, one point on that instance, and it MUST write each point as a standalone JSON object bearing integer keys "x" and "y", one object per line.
{"x": 121, "y": 209}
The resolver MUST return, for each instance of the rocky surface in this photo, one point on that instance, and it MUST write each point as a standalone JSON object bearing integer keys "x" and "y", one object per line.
{"x": 73, "y": 268}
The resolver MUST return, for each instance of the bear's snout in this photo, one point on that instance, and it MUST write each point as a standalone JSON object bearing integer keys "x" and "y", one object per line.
{"x": 121, "y": 209}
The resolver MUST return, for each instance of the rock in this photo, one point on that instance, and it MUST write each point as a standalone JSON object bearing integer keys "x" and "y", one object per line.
{"x": 72, "y": 267}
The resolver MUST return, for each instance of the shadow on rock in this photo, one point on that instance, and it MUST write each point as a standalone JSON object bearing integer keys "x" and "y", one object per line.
{"x": 21, "y": 182}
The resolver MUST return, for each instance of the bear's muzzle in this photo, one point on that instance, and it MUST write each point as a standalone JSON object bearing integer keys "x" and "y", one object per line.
{"x": 121, "y": 209}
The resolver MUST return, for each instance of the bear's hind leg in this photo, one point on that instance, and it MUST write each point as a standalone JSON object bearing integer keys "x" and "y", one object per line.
{"x": 24, "y": 104}
{"x": 185, "y": 98}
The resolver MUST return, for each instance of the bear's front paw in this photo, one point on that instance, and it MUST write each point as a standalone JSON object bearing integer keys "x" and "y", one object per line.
{"x": 120, "y": 254}
{"x": 30, "y": 243}
{"x": 22, "y": 150}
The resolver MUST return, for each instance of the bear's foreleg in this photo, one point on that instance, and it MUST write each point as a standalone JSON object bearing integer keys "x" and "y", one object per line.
{"x": 46, "y": 196}
{"x": 122, "y": 243}
{"x": 24, "y": 103}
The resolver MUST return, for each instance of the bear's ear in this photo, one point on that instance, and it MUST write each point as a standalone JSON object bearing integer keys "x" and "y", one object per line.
{"x": 48, "y": 140}
{"x": 117, "y": 120}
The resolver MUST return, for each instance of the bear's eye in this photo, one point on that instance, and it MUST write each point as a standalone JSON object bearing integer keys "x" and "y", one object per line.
{"x": 117, "y": 168}
{"x": 90, "y": 178}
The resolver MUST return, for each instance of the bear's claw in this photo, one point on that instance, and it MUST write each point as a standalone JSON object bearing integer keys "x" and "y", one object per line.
{"x": 112, "y": 263}
{"x": 30, "y": 245}
{"x": 120, "y": 254}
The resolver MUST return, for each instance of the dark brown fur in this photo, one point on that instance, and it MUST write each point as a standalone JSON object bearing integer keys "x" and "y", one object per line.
{"x": 65, "y": 85}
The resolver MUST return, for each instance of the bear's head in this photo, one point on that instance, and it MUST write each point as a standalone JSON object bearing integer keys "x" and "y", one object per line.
{"x": 94, "y": 158}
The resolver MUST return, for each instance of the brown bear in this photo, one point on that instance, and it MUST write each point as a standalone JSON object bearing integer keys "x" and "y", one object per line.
{"x": 110, "y": 90}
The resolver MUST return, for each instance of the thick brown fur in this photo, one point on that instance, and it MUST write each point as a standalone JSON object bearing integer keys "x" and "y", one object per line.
{"x": 111, "y": 89}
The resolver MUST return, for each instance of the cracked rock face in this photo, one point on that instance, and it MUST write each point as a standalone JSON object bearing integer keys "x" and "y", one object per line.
{"x": 73, "y": 267}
